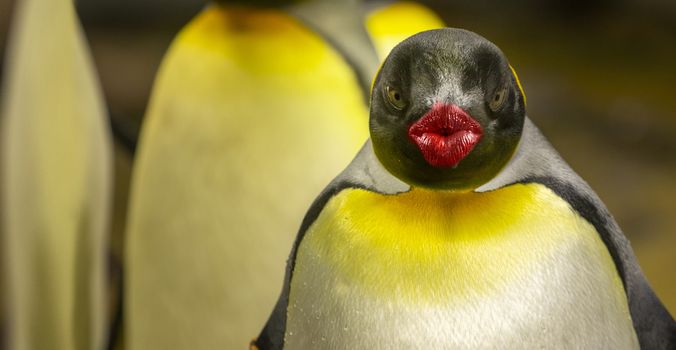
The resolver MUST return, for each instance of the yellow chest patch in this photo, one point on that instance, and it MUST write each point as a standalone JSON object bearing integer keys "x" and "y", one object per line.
{"x": 442, "y": 246}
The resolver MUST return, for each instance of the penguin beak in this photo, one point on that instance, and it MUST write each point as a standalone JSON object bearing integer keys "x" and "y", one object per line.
{"x": 445, "y": 135}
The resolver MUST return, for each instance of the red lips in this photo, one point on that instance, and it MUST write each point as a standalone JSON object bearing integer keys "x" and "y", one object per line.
{"x": 445, "y": 135}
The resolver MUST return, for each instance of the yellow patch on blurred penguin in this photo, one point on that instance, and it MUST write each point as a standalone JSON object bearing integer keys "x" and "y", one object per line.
{"x": 391, "y": 23}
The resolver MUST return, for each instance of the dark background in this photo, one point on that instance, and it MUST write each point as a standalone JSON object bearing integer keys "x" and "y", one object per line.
{"x": 600, "y": 77}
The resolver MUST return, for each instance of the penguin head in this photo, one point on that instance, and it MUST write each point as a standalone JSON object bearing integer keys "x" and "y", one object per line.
{"x": 447, "y": 110}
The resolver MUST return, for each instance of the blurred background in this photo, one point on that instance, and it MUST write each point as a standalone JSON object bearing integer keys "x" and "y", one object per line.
{"x": 599, "y": 76}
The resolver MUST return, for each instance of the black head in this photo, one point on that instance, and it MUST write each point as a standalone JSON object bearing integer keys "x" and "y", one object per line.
{"x": 447, "y": 110}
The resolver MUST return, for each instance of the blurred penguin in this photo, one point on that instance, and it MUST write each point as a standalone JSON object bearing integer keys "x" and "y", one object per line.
{"x": 56, "y": 182}
{"x": 254, "y": 108}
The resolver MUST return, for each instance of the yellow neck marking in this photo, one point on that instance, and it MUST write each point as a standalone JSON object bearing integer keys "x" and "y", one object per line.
{"x": 432, "y": 245}
{"x": 518, "y": 83}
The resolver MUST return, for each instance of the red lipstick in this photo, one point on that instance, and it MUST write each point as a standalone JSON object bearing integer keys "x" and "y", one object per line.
{"x": 445, "y": 135}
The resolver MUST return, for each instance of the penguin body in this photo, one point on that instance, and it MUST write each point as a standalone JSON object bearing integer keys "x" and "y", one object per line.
{"x": 55, "y": 186}
{"x": 249, "y": 103}
{"x": 431, "y": 257}
{"x": 464, "y": 263}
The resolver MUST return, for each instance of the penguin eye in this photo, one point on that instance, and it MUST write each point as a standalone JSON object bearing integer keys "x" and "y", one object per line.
{"x": 395, "y": 98}
{"x": 498, "y": 99}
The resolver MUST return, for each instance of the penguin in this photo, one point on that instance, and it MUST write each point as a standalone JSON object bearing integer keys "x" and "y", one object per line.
{"x": 458, "y": 226}
{"x": 254, "y": 109}
{"x": 56, "y": 183}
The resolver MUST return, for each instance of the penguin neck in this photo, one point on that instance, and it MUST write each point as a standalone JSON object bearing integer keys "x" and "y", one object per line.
{"x": 426, "y": 197}
{"x": 441, "y": 193}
